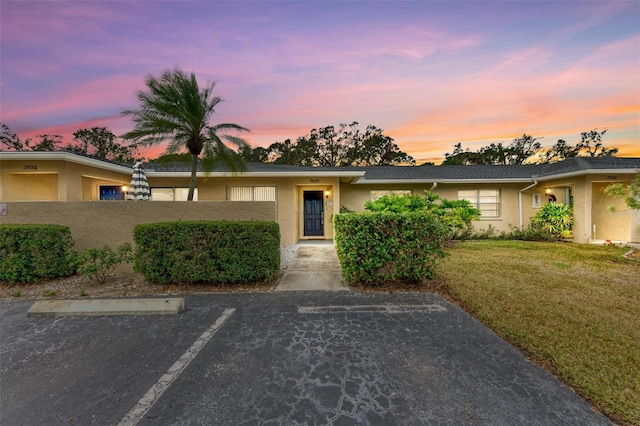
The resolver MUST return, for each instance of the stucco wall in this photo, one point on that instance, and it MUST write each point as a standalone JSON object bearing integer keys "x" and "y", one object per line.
{"x": 354, "y": 196}
{"x": 75, "y": 181}
{"x": 288, "y": 199}
{"x": 99, "y": 223}
{"x": 30, "y": 187}
{"x": 609, "y": 225}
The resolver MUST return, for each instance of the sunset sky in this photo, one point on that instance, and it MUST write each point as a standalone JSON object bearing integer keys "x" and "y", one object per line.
{"x": 429, "y": 73}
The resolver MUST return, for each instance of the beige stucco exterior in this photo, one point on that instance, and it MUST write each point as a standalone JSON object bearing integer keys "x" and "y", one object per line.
{"x": 58, "y": 176}
{"x": 95, "y": 224}
{"x": 356, "y": 195}
{"x": 591, "y": 206}
{"x": 56, "y": 180}
{"x": 62, "y": 180}
{"x": 289, "y": 193}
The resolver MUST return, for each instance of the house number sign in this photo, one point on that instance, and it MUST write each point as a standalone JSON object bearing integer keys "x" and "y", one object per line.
{"x": 30, "y": 167}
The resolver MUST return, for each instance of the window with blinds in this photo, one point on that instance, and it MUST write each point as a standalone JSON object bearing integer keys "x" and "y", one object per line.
{"x": 172, "y": 194}
{"x": 251, "y": 193}
{"x": 485, "y": 200}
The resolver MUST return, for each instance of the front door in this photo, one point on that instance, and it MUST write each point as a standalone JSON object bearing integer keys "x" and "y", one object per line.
{"x": 111, "y": 193}
{"x": 313, "y": 214}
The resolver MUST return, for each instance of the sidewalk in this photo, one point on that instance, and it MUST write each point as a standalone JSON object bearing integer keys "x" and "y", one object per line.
{"x": 315, "y": 267}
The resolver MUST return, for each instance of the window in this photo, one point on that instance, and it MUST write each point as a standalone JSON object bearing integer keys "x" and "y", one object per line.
{"x": 251, "y": 193}
{"x": 485, "y": 200}
{"x": 379, "y": 193}
{"x": 110, "y": 193}
{"x": 172, "y": 194}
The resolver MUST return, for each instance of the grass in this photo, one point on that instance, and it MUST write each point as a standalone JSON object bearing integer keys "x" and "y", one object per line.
{"x": 574, "y": 309}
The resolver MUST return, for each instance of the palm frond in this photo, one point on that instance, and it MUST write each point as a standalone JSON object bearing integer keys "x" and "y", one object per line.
{"x": 176, "y": 110}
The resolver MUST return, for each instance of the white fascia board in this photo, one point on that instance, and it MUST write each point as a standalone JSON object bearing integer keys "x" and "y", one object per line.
{"x": 439, "y": 181}
{"x": 66, "y": 156}
{"x": 590, "y": 172}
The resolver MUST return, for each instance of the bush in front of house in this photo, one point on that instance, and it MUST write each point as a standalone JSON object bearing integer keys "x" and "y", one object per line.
{"x": 529, "y": 233}
{"x": 99, "y": 263}
{"x": 34, "y": 252}
{"x": 207, "y": 251}
{"x": 555, "y": 219}
{"x": 457, "y": 215}
{"x": 378, "y": 247}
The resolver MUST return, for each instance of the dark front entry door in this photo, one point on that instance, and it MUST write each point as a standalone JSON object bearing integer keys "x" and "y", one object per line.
{"x": 111, "y": 193}
{"x": 313, "y": 214}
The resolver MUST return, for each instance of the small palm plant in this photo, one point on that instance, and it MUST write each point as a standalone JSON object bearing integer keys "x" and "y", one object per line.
{"x": 555, "y": 219}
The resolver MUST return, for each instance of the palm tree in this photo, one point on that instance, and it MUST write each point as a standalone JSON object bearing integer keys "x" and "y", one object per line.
{"x": 176, "y": 110}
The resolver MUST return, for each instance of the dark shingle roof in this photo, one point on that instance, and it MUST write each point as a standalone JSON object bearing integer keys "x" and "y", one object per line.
{"x": 428, "y": 172}
{"x": 220, "y": 168}
{"x": 588, "y": 163}
{"x": 450, "y": 172}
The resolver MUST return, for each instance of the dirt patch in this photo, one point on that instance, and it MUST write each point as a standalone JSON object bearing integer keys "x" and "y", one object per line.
{"x": 435, "y": 285}
{"x": 122, "y": 285}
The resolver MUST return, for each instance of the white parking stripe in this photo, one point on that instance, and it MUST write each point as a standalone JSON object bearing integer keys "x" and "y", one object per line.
{"x": 151, "y": 397}
{"x": 390, "y": 309}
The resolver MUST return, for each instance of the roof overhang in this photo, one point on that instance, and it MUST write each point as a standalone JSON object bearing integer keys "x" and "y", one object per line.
{"x": 575, "y": 173}
{"x": 64, "y": 156}
{"x": 349, "y": 176}
{"x": 366, "y": 181}
{"x": 346, "y": 175}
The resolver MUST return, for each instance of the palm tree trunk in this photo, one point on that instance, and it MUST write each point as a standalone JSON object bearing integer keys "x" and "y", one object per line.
{"x": 192, "y": 181}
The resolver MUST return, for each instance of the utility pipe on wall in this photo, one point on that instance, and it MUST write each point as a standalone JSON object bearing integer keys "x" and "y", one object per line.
{"x": 535, "y": 182}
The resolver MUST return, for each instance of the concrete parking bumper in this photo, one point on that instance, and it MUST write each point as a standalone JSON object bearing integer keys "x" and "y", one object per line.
{"x": 105, "y": 307}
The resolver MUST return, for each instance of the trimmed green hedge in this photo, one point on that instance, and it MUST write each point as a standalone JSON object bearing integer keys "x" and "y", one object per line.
{"x": 30, "y": 253}
{"x": 377, "y": 247}
{"x": 207, "y": 251}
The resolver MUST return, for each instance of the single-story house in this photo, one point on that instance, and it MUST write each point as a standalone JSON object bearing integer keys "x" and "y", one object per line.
{"x": 306, "y": 197}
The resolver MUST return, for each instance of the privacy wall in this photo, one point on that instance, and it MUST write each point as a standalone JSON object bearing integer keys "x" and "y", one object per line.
{"x": 97, "y": 223}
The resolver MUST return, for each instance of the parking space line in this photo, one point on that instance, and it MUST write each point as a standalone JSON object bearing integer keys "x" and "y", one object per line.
{"x": 151, "y": 397}
{"x": 390, "y": 309}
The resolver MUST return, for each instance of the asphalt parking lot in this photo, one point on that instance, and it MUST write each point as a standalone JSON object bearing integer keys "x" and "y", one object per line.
{"x": 299, "y": 358}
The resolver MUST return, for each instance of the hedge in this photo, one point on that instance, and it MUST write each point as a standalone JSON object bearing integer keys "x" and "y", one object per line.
{"x": 378, "y": 247}
{"x": 34, "y": 252}
{"x": 207, "y": 251}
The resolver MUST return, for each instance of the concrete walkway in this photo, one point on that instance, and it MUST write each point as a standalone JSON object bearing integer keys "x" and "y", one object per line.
{"x": 315, "y": 267}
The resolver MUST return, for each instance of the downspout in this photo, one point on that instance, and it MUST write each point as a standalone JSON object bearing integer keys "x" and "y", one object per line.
{"x": 535, "y": 182}
{"x": 434, "y": 186}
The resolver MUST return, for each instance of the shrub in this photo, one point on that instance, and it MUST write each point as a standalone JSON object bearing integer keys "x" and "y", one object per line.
{"x": 98, "y": 264}
{"x": 529, "y": 233}
{"x": 30, "y": 253}
{"x": 457, "y": 215}
{"x": 374, "y": 247}
{"x": 397, "y": 204}
{"x": 555, "y": 219}
{"x": 207, "y": 251}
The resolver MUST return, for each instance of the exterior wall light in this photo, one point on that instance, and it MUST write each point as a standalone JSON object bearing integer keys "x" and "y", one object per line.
{"x": 327, "y": 193}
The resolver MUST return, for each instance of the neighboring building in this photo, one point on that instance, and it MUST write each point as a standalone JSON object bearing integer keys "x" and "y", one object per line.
{"x": 306, "y": 198}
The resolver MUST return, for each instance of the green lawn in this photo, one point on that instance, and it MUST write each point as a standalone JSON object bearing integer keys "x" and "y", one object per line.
{"x": 574, "y": 309}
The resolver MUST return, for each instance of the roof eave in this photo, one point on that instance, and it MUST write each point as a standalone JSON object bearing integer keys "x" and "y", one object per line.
{"x": 366, "y": 181}
{"x": 589, "y": 172}
{"x": 353, "y": 175}
{"x": 66, "y": 156}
